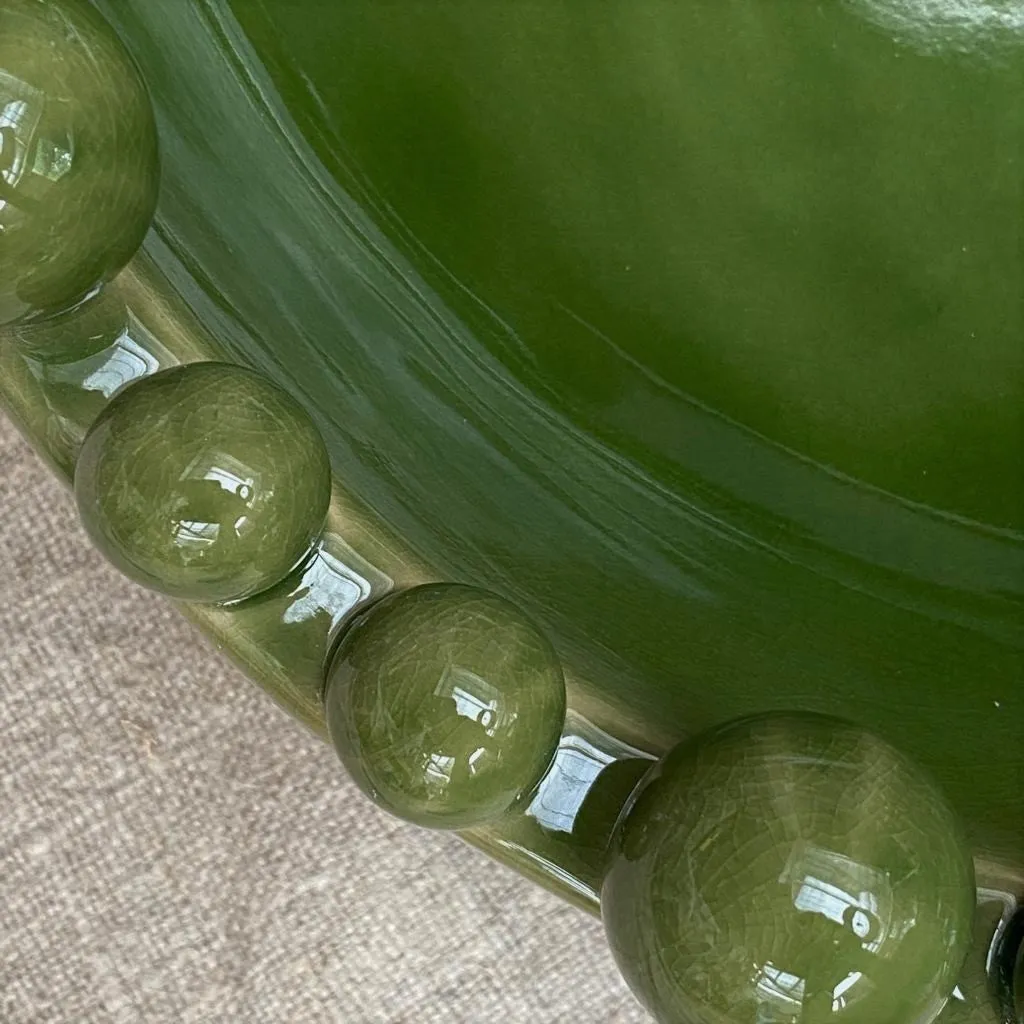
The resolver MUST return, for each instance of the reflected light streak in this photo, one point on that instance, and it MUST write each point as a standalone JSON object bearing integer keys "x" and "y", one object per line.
{"x": 328, "y": 587}
{"x": 839, "y": 992}
{"x": 440, "y": 767}
{"x": 563, "y": 790}
{"x": 980, "y": 27}
{"x": 777, "y": 986}
{"x": 126, "y": 361}
{"x": 474, "y": 697}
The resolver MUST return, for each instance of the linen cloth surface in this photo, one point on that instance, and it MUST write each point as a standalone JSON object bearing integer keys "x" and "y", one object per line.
{"x": 174, "y": 848}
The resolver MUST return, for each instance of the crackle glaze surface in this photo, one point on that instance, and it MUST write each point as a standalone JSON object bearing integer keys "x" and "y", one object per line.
{"x": 446, "y": 704}
{"x": 78, "y": 156}
{"x": 781, "y": 532}
{"x": 693, "y": 331}
{"x": 790, "y": 869}
{"x": 205, "y": 482}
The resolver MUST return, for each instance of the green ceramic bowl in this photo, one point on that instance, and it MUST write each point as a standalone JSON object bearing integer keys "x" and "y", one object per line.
{"x": 689, "y": 334}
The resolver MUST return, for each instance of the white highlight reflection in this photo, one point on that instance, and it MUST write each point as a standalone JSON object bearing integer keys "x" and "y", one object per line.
{"x": 125, "y": 361}
{"x": 474, "y": 697}
{"x": 780, "y": 988}
{"x": 850, "y": 894}
{"x": 941, "y": 26}
{"x": 562, "y": 791}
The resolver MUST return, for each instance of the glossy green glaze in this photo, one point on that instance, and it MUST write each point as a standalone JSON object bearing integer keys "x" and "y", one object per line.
{"x": 1018, "y": 985}
{"x": 974, "y": 986}
{"x": 446, "y": 704}
{"x": 561, "y": 836}
{"x": 79, "y": 170}
{"x": 283, "y": 636}
{"x": 790, "y": 869}
{"x": 707, "y": 569}
{"x": 558, "y": 836}
{"x": 77, "y": 333}
{"x": 58, "y": 374}
{"x": 205, "y": 482}
{"x": 674, "y": 480}
{"x": 806, "y": 217}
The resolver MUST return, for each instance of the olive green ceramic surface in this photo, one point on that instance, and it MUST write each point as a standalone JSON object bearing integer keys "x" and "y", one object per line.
{"x": 205, "y": 482}
{"x": 1018, "y": 1003}
{"x": 78, "y": 156}
{"x": 74, "y": 335}
{"x": 446, "y": 704}
{"x": 713, "y": 572}
{"x": 804, "y": 215}
{"x": 693, "y": 330}
{"x": 789, "y": 869}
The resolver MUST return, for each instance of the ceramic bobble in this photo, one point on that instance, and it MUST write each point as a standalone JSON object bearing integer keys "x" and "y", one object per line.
{"x": 79, "y": 166}
{"x": 206, "y": 482}
{"x": 446, "y": 704}
{"x": 789, "y": 869}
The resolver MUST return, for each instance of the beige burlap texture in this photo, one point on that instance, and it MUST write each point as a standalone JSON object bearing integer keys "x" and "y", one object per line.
{"x": 173, "y": 848}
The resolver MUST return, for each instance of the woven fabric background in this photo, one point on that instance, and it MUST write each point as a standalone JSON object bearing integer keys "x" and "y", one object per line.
{"x": 173, "y": 848}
